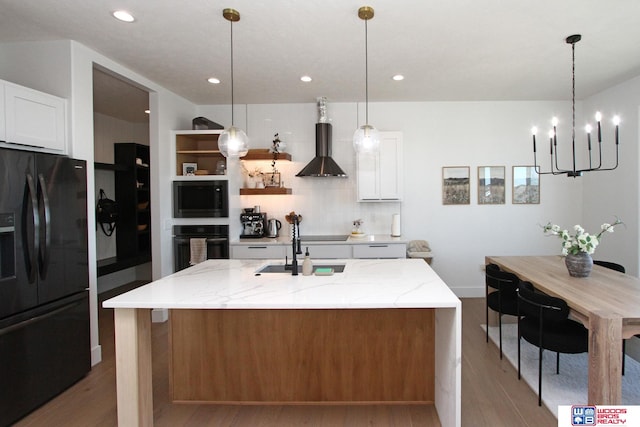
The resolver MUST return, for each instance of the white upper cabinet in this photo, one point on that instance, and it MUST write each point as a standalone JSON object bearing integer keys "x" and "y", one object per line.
{"x": 380, "y": 174}
{"x": 34, "y": 118}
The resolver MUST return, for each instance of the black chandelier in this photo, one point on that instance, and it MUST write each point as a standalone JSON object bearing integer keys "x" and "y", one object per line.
{"x": 553, "y": 143}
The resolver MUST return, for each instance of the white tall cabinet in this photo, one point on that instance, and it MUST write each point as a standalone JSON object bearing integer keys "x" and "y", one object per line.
{"x": 380, "y": 174}
{"x": 32, "y": 118}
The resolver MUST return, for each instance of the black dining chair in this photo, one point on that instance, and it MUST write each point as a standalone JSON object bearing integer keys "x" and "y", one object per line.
{"x": 617, "y": 267}
{"x": 501, "y": 295}
{"x": 545, "y": 323}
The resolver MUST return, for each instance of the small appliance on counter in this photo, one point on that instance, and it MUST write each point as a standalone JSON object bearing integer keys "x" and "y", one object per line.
{"x": 253, "y": 224}
{"x": 273, "y": 227}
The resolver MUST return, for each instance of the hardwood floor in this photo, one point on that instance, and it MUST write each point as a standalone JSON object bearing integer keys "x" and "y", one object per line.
{"x": 491, "y": 394}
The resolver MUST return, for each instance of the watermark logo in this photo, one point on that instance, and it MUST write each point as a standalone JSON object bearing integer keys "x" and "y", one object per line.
{"x": 582, "y": 415}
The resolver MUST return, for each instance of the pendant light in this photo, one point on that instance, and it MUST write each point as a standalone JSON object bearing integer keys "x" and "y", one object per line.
{"x": 233, "y": 142}
{"x": 366, "y": 138}
{"x": 553, "y": 141}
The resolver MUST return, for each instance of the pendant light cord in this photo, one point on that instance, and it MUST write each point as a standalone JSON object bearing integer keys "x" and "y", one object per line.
{"x": 366, "y": 71}
{"x": 573, "y": 103}
{"x": 231, "y": 23}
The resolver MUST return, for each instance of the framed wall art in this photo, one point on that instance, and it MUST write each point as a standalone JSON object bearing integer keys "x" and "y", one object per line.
{"x": 491, "y": 185}
{"x": 526, "y": 185}
{"x": 456, "y": 189}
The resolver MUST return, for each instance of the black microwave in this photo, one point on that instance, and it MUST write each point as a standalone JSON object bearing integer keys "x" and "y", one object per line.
{"x": 200, "y": 199}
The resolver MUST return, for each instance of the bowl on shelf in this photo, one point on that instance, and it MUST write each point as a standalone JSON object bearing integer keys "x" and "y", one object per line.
{"x": 142, "y": 227}
{"x": 143, "y": 205}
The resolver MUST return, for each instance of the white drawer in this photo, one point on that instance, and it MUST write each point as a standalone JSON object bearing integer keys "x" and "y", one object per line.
{"x": 257, "y": 251}
{"x": 380, "y": 250}
{"x": 324, "y": 251}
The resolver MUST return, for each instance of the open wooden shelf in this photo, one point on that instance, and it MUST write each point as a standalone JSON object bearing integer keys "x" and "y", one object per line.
{"x": 264, "y": 154}
{"x": 264, "y": 191}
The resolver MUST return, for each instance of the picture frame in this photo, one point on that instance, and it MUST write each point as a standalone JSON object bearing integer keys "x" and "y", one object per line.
{"x": 491, "y": 185}
{"x": 456, "y": 188}
{"x": 271, "y": 179}
{"x": 189, "y": 169}
{"x": 525, "y": 186}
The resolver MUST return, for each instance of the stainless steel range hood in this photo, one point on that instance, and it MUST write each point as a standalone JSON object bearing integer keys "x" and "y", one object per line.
{"x": 322, "y": 165}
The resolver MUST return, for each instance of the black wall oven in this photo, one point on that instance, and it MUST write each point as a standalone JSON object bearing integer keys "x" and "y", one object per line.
{"x": 217, "y": 242}
{"x": 200, "y": 199}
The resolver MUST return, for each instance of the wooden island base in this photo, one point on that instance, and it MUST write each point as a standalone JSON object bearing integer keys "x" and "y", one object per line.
{"x": 302, "y": 355}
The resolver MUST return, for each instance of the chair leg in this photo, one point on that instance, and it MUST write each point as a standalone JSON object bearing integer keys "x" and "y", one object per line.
{"x": 486, "y": 314}
{"x": 624, "y": 345}
{"x": 500, "y": 329}
{"x": 519, "y": 376}
{"x": 540, "y": 376}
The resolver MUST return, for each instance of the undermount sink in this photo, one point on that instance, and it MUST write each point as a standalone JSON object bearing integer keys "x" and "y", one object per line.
{"x": 280, "y": 268}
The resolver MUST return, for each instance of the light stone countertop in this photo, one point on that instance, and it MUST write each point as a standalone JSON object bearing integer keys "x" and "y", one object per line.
{"x": 286, "y": 240}
{"x": 233, "y": 284}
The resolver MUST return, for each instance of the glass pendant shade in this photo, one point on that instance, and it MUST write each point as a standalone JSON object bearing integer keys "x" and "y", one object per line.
{"x": 233, "y": 142}
{"x": 366, "y": 139}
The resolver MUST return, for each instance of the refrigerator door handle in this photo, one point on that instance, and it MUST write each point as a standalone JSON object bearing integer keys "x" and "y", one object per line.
{"x": 43, "y": 252}
{"x": 30, "y": 247}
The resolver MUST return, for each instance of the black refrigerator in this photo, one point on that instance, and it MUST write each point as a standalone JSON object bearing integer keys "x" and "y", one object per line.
{"x": 44, "y": 280}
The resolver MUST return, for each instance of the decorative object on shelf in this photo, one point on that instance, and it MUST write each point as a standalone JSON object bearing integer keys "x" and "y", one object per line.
{"x": 553, "y": 148}
{"x": 272, "y": 179}
{"x": 579, "y": 247}
{"x": 252, "y": 177}
{"x": 189, "y": 169}
{"x": 456, "y": 189}
{"x": 526, "y": 185}
{"x": 366, "y": 138}
{"x": 276, "y": 147}
{"x": 233, "y": 142}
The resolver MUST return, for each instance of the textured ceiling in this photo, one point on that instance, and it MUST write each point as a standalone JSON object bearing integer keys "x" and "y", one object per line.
{"x": 448, "y": 50}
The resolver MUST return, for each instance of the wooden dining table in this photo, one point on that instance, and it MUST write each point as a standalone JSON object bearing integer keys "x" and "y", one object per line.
{"x": 607, "y": 303}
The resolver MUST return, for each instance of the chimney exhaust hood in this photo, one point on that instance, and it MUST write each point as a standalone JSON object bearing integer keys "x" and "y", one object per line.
{"x": 322, "y": 165}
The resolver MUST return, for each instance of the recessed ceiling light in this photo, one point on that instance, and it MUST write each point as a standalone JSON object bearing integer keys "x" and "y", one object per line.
{"x": 213, "y": 80}
{"x": 306, "y": 79}
{"x": 123, "y": 15}
{"x": 398, "y": 77}
{"x": 147, "y": 111}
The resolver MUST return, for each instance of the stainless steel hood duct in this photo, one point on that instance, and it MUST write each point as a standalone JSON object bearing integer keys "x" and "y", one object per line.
{"x": 322, "y": 165}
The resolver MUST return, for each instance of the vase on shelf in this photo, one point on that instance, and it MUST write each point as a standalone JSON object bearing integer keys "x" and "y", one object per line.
{"x": 579, "y": 265}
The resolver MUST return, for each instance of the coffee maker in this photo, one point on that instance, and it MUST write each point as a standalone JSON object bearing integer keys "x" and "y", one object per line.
{"x": 253, "y": 224}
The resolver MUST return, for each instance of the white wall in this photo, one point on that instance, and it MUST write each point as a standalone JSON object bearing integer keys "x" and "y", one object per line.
{"x": 435, "y": 134}
{"x": 616, "y": 193}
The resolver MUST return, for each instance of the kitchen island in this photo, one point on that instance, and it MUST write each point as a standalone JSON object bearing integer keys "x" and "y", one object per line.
{"x": 381, "y": 331}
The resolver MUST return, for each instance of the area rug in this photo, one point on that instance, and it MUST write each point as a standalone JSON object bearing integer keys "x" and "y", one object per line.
{"x": 570, "y": 386}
